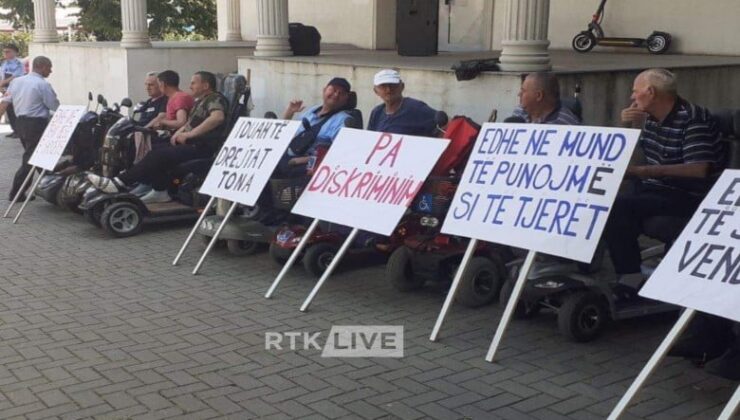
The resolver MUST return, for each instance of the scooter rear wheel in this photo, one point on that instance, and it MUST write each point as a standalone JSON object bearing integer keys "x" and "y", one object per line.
{"x": 400, "y": 272}
{"x": 584, "y": 42}
{"x": 658, "y": 43}
{"x": 242, "y": 248}
{"x": 122, "y": 219}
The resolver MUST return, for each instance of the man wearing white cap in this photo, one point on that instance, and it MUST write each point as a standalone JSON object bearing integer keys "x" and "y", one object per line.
{"x": 397, "y": 114}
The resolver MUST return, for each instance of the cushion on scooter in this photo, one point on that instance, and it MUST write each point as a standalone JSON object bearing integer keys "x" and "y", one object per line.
{"x": 462, "y": 132}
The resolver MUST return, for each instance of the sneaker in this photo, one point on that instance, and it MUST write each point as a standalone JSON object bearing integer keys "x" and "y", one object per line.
{"x": 13, "y": 135}
{"x": 155, "y": 196}
{"x": 104, "y": 184}
{"x": 141, "y": 190}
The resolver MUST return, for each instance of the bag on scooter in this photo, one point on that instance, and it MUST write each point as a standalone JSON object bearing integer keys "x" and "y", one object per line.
{"x": 116, "y": 155}
{"x": 188, "y": 191}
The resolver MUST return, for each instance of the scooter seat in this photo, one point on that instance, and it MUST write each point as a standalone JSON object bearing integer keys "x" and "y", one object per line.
{"x": 664, "y": 228}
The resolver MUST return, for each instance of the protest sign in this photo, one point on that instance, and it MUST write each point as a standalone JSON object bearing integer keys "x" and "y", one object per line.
{"x": 368, "y": 179}
{"x": 702, "y": 269}
{"x": 241, "y": 169}
{"x": 48, "y": 151}
{"x": 56, "y": 136}
{"x": 245, "y": 162}
{"x": 547, "y": 188}
{"x": 700, "y": 272}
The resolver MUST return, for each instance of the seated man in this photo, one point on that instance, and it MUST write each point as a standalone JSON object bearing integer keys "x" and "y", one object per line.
{"x": 179, "y": 103}
{"x": 397, "y": 114}
{"x": 156, "y": 104}
{"x": 320, "y": 125}
{"x": 199, "y": 138}
{"x": 684, "y": 154}
{"x": 539, "y": 101}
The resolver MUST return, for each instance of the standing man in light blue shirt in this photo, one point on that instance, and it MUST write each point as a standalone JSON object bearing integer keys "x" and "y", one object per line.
{"x": 33, "y": 99}
{"x": 11, "y": 68}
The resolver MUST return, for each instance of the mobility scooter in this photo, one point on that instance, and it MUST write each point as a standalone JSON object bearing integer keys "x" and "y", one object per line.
{"x": 124, "y": 214}
{"x": 583, "y": 295}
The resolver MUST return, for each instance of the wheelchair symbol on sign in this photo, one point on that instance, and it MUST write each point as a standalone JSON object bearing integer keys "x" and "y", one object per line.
{"x": 425, "y": 204}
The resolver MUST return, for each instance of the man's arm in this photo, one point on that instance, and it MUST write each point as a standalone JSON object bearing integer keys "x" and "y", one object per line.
{"x": 156, "y": 121}
{"x": 4, "y": 107}
{"x": 296, "y": 105}
{"x": 50, "y": 97}
{"x": 681, "y": 170}
{"x": 215, "y": 119}
{"x": 180, "y": 119}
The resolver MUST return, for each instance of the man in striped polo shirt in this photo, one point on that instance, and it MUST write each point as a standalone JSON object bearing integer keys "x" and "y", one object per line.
{"x": 684, "y": 156}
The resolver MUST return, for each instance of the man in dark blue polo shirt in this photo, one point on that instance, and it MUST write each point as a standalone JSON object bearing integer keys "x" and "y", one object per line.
{"x": 684, "y": 156}
{"x": 398, "y": 114}
{"x": 539, "y": 101}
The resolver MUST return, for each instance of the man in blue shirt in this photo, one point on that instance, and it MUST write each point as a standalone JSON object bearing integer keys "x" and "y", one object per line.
{"x": 397, "y": 114}
{"x": 320, "y": 125}
{"x": 539, "y": 101}
{"x": 11, "y": 68}
{"x": 33, "y": 99}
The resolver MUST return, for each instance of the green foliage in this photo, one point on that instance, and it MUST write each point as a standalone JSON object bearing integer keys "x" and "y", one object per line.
{"x": 20, "y": 13}
{"x": 20, "y": 39}
{"x": 168, "y": 19}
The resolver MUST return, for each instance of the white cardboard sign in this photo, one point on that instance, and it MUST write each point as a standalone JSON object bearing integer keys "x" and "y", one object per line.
{"x": 546, "y": 188}
{"x": 56, "y": 136}
{"x": 368, "y": 179}
{"x": 247, "y": 159}
{"x": 702, "y": 269}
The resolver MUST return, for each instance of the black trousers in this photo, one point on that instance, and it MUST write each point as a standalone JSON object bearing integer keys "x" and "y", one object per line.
{"x": 12, "y": 117}
{"x": 30, "y": 131}
{"x": 156, "y": 167}
{"x": 629, "y": 212}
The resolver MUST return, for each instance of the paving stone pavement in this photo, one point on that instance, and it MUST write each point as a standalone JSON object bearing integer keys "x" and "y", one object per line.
{"x": 94, "y": 327}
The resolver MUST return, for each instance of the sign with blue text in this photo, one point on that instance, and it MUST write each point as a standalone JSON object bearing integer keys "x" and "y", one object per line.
{"x": 702, "y": 269}
{"x": 248, "y": 158}
{"x": 545, "y": 188}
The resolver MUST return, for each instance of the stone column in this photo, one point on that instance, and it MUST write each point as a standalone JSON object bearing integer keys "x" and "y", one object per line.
{"x": 45, "y": 21}
{"x": 272, "y": 35}
{"x": 525, "y": 40}
{"x": 135, "y": 30}
{"x": 231, "y": 21}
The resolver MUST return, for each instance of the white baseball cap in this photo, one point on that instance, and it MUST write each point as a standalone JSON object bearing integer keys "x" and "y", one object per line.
{"x": 387, "y": 76}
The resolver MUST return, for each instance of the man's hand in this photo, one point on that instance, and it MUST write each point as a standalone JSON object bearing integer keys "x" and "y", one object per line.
{"x": 179, "y": 138}
{"x": 299, "y": 161}
{"x": 296, "y": 105}
{"x": 634, "y": 115}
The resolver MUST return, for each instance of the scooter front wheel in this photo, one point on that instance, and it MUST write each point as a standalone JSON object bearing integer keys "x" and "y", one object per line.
{"x": 584, "y": 42}
{"x": 582, "y": 316}
{"x": 242, "y": 248}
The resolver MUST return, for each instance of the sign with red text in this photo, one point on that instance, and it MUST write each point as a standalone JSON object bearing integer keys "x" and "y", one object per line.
{"x": 545, "y": 188}
{"x": 56, "y": 136}
{"x": 702, "y": 269}
{"x": 368, "y": 179}
{"x": 247, "y": 159}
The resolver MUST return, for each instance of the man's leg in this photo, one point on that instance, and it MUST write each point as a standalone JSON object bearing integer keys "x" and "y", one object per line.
{"x": 154, "y": 169}
{"x": 627, "y": 216}
{"x": 31, "y": 130}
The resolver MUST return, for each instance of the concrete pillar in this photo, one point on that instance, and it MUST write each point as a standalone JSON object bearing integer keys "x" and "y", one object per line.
{"x": 135, "y": 29}
{"x": 272, "y": 36}
{"x": 45, "y": 21}
{"x": 525, "y": 40}
{"x": 229, "y": 22}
